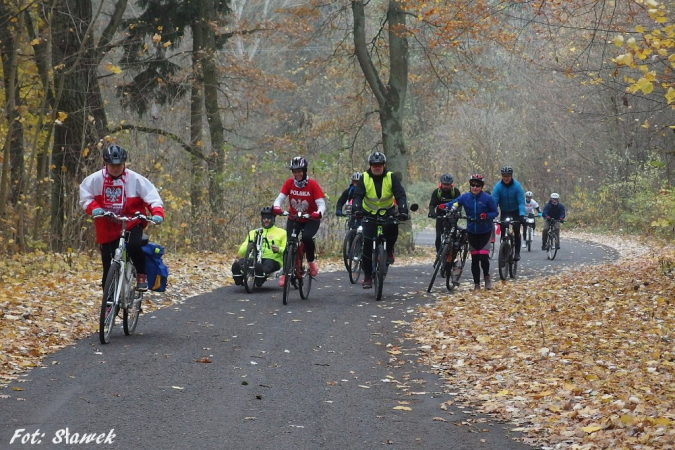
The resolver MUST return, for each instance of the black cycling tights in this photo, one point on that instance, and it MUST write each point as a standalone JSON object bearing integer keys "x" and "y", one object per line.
{"x": 478, "y": 261}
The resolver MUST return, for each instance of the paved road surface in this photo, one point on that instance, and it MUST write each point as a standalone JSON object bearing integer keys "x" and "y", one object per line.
{"x": 315, "y": 374}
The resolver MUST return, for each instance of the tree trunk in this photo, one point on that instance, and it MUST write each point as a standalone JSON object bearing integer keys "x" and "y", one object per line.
{"x": 82, "y": 122}
{"x": 390, "y": 97}
{"x": 13, "y": 154}
{"x": 216, "y": 129}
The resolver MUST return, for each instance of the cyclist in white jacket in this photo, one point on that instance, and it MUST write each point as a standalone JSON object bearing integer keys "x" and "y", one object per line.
{"x": 530, "y": 207}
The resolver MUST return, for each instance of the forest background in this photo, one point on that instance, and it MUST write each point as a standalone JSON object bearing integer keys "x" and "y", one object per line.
{"x": 213, "y": 98}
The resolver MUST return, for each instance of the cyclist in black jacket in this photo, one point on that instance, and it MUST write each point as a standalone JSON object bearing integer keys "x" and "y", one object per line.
{"x": 443, "y": 194}
{"x": 346, "y": 199}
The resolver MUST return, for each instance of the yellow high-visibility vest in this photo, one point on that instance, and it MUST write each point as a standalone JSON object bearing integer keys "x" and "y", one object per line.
{"x": 371, "y": 202}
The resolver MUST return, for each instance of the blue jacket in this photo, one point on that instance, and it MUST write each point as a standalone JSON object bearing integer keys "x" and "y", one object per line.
{"x": 509, "y": 197}
{"x": 555, "y": 211}
{"x": 474, "y": 206}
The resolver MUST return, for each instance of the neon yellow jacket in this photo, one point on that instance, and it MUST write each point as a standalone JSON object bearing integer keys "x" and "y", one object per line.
{"x": 275, "y": 236}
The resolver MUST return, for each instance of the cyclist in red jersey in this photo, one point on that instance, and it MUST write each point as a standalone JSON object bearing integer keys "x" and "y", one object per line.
{"x": 304, "y": 197}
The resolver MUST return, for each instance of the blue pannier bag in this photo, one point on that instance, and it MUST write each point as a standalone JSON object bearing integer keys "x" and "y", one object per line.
{"x": 155, "y": 269}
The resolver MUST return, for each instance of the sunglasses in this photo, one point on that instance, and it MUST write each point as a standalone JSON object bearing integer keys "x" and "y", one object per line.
{"x": 476, "y": 185}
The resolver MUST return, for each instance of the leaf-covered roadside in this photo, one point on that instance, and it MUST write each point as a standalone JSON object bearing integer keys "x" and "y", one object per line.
{"x": 582, "y": 360}
{"x": 47, "y": 301}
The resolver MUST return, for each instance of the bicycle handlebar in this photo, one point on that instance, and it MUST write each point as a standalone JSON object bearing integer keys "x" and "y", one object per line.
{"x": 124, "y": 219}
{"x": 297, "y": 216}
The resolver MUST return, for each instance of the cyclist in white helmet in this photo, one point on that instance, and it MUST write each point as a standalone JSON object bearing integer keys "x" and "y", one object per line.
{"x": 530, "y": 207}
{"x": 552, "y": 210}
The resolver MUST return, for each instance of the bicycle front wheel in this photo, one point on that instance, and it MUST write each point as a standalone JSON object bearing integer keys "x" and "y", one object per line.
{"x": 109, "y": 303}
{"x": 441, "y": 256}
{"x": 551, "y": 251}
{"x": 289, "y": 271}
{"x": 379, "y": 270}
{"x": 529, "y": 239}
{"x": 457, "y": 267}
{"x": 513, "y": 267}
{"x": 503, "y": 260}
{"x": 249, "y": 268}
{"x": 346, "y": 250}
{"x": 302, "y": 271}
{"x": 133, "y": 310}
{"x": 355, "y": 258}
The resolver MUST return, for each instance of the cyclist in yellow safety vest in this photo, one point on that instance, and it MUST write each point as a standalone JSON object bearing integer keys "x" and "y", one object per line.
{"x": 378, "y": 188}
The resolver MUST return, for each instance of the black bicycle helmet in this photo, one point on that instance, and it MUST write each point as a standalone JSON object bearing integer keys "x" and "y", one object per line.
{"x": 298, "y": 163}
{"x": 356, "y": 176}
{"x": 377, "y": 158}
{"x": 477, "y": 178}
{"x": 115, "y": 154}
{"x": 507, "y": 170}
{"x": 447, "y": 179}
{"x": 266, "y": 213}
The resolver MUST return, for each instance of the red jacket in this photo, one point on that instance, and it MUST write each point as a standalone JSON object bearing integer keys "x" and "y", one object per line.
{"x": 126, "y": 195}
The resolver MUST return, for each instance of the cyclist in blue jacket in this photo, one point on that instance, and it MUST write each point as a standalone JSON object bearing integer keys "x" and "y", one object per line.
{"x": 510, "y": 198}
{"x": 480, "y": 209}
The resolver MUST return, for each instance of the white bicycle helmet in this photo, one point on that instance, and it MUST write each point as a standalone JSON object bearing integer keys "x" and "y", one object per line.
{"x": 555, "y": 196}
{"x": 528, "y": 194}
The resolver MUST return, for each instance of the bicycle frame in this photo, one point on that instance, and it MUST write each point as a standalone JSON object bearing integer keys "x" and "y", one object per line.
{"x": 379, "y": 250}
{"x": 118, "y": 290}
{"x": 294, "y": 271}
{"x": 451, "y": 256}
{"x": 507, "y": 249}
{"x": 551, "y": 243}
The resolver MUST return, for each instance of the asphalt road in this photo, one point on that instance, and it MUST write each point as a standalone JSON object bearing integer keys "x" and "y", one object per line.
{"x": 322, "y": 373}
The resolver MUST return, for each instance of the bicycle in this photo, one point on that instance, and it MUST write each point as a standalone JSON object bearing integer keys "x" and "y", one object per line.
{"x": 379, "y": 251}
{"x": 551, "y": 243}
{"x": 119, "y": 289}
{"x": 529, "y": 231}
{"x": 451, "y": 257}
{"x": 352, "y": 247}
{"x": 254, "y": 252}
{"x": 296, "y": 267}
{"x": 508, "y": 266}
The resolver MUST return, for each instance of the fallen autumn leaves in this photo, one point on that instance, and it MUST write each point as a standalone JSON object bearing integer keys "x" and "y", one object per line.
{"x": 582, "y": 360}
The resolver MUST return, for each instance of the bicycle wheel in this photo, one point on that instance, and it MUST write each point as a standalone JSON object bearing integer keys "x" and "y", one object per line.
{"x": 503, "y": 259}
{"x": 355, "y": 258}
{"x": 133, "y": 310}
{"x": 529, "y": 239}
{"x": 302, "y": 271}
{"x": 455, "y": 272}
{"x": 346, "y": 250}
{"x": 379, "y": 270}
{"x": 109, "y": 303}
{"x": 441, "y": 256}
{"x": 513, "y": 266}
{"x": 551, "y": 251}
{"x": 249, "y": 267}
{"x": 289, "y": 271}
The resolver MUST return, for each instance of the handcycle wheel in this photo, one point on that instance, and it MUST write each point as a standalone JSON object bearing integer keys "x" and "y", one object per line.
{"x": 355, "y": 258}
{"x": 133, "y": 310}
{"x": 302, "y": 271}
{"x": 249, "y": 269}
{"x": 438, "y": 263}
{"x": 503, "y": 259}
{"x": 379, "y": 270}
{"x": 106, "y": 320}
{"x": 289, "y": 271}
{"x": 346, "y": 250}
{"x": 455, "y": 271}
{"x": 551, "y": 250}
